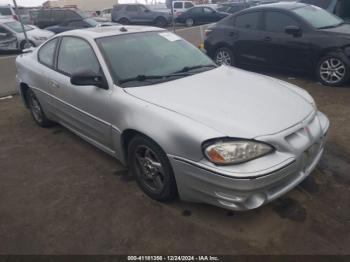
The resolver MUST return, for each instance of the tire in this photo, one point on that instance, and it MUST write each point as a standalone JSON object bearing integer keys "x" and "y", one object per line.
{"x": 36, "y": 110}
{"x": 189, "y": 22}
{"x": 333, "y": 70}
{"x": 151, "y": 168}
{"x": 160, "y": 22}
{"x": 24, "y": 45}
{"x": 224, "y": 56}
{"x": 124, "y": 21}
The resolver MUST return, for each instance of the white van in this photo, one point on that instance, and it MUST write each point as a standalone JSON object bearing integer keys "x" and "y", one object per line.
{"x": 181, "y": 6}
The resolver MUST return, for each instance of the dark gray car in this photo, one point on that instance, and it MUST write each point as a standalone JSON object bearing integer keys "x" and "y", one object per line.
{"x": 139, "y": 14}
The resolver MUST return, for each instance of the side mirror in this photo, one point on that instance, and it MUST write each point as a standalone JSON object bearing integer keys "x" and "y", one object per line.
{"x": 88, "y": 78}
{"x": 293, "y": 30}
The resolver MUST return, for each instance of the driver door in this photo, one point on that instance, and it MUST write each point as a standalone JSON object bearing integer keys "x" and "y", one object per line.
{"x": 84, "y": 109}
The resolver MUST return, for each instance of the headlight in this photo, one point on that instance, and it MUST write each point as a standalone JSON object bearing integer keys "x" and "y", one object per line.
{"x": 236, "y": 151}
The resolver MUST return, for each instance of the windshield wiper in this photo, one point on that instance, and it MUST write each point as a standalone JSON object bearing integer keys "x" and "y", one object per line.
{"x": 189, "y": 68}
{"x": 142, "y": 78}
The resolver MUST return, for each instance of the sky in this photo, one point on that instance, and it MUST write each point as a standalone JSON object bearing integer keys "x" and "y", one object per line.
{"x": 24, "y": 2}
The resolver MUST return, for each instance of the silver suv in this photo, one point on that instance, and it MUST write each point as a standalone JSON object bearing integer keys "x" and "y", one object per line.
{"x": 139, "y": 14}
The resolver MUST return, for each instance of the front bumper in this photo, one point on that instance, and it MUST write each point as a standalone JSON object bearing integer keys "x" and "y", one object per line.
{"x": 197, "y": 183}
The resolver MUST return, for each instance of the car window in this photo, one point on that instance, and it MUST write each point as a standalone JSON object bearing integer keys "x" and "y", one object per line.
{"x": 321, "y": 3}
{"x": 58, "y": 15}
{"x": 178, "y": 5}
{"x": 118, "y": 7}
{"x": 248, "y": 21}
{"x": 76, "y": 55}
{"x": 70, "y": 15}
{"x": 46, "y": 53}
{"x": 142, "y": 8}
{"x": 44, "y": 14}
{"x": 132, "y": 8}
{"x": 277, "y": 22}
{"x": 318, "y": 17}
{"x": 188, "y": 5}
{"x": 208, "y": 10}
{"x": 197, "y": 10}
{"x": 5, "y": 11}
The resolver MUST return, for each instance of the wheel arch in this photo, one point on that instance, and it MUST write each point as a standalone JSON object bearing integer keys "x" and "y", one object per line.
{"x": 23, "y": 91}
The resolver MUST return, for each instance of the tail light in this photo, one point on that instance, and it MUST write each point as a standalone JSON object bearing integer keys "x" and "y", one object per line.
{"x": 207, "y": 32}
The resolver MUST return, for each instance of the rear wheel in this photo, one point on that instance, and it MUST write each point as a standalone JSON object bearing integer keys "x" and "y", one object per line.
{"x": 124, "y": 21}
{"x": 151, "y": 168}
{"x": 160, "y": 22}
{"x": 189, "y": 22}
{"x": 333, "y": 70}
{"x": 224, "y": 56}
{"x": 36, "y": 110}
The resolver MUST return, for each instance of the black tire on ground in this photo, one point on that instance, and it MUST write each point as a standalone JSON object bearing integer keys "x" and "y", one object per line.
{"x": 23, "y": 45}
{"x": 151, "y": 168}
{"x": 160, "y": 22}
{"x": 36, "y": 110}
{"x": 333, "y": 69}
{"x": 224, "y": 56}
{"x": 124, "y": 21}
{"x": 189, "y": 22}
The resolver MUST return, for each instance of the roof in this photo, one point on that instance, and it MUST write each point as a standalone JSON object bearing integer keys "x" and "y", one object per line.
{"x": 98, "y": 32}
{"x": 279, "y": 5}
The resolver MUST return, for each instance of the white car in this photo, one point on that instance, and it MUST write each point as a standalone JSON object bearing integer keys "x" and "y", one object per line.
{"x": 181, "y": 6}
{"x": 10, "y": 28}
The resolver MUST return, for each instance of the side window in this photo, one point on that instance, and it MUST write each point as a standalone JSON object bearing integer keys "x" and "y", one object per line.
{"x": 76, "y": 55}
{"x": 58, "y": 15}
{"x": 70, "y": 15}
{"x": 46, "y": 53}
{"x": 131, "y": 8}
{"x": 5, "y": 11}
{"x": 178, "y": 5}
{"x": 248, "y": 21}
{"x": 188, "y": 5}
{"x": 208, "y": 10}
{"x": 277, "y": 22}
{"x": 44, "y": 15}
{"x": 197, "y": 10}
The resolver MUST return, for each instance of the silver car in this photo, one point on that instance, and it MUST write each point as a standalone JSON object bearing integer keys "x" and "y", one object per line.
{"x": 10, "y": 28}
{"x": 184, "y": 126}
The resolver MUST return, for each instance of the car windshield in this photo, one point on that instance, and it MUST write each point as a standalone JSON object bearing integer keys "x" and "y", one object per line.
{"x": 144, "y": 55}
{"x": 16, "y": 26}
{"x": 318, "y": 17}
{"x": 91, "y": 22}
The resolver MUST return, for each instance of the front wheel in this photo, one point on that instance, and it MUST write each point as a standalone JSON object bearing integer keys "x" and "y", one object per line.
{"x": 160, "y": 22}
{"x": 333, "y": 70}
{"x": 151, "y": 168}
{"x": 224, "y": 56}
{"x": 189, "y": 22}
{"x": 25, "y": 45}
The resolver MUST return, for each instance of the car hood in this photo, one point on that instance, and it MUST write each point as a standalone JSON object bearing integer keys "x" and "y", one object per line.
{"x": 39, "y": 33}
{"x": 343, "y": 29}
{"x": 232, "y": 101}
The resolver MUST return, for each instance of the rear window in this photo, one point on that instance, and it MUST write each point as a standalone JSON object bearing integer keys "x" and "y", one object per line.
{"x": 72, "y": 15}
{"x": 188, "y": 5}
{"x": 5, "y": 11}
{"x": 178, "y": 5}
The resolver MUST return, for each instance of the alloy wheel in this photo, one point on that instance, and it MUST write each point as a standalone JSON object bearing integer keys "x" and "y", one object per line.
{"x": 223, "y": 58}
{"x": 332, "y": 70}
{"x": 149, "y": 169}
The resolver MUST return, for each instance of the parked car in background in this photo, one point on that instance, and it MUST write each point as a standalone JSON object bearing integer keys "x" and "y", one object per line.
{"x": 12, "y": 28}
{"x": 340, "y": 8}
{"x": 107, "y": 14}
{"x": 77, "y": 24}
{"x": 56, "y": 16}
{"x": 139, "y": 14}
{"x": 200, "y": 15}
{"x": 292, "y": 36}
{"x": 193, "y": 144}
{"x": 233, "y": 7}
{"x": 181, "y": 6}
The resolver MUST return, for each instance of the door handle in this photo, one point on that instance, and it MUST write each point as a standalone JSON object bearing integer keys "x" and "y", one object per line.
{"x": 267, "y": 39}
{"x": 54, "y": 84}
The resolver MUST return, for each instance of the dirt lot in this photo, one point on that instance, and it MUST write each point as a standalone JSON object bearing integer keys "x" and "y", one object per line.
{"x": 60, "y": 195}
